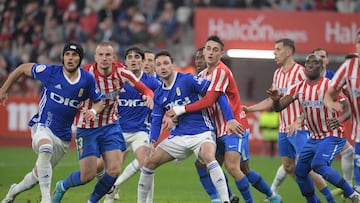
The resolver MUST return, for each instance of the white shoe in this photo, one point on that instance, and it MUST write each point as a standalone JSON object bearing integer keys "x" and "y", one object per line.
{"x": 110, "y": 197}
{"x": 10, "y": 196}
{"x": 355, "y": 198}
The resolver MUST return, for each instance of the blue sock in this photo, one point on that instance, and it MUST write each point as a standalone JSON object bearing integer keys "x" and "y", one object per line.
{"x": 259, "y": 183}
{"x": 356, "y": 164}
{"x": 72, "y": 180}
{"x": 327, "y": 194}
{"x": 304, "y": 181}
{"x": 102, "y": 187}
{"x": 243, "y": 186}
{"x": 334, "y": 177}
{"x": 206, "y": 182}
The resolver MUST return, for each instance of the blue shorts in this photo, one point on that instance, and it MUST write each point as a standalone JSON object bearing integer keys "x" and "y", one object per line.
{"x": 320, "y": 152}
{"x": 234, "y": 143}
{"x": 95, "y": 141}
{"x": 291, "y": 146}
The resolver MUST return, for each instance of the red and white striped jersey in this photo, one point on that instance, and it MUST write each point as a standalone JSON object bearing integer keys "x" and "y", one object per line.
{"x": 282, "y": 81}
{"x": 311, "y": 99}
{"x": 222, "y": 80}
{"x": 348, "y": 76}
{"x": 110, "y": 86}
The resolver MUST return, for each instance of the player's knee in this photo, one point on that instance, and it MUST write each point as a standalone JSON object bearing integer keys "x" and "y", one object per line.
{"x": 199, "y": 165}
{"x": 289, "y": 168}
{"x": 45, "y": 153}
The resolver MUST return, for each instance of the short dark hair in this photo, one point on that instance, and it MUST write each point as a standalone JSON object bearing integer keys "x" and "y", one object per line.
{"x": 164, "y": 53}
{"x": 320, "y": 49}
{"x": 216, "y": 39}
{"x": 136, "y": 50}
{"x": 287, "y": 42}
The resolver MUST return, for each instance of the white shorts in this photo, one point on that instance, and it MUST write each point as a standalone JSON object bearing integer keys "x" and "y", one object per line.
{"x": 136, "y": 139}
{"x": 59, "y": 147}
{"x": 182, "y": 146}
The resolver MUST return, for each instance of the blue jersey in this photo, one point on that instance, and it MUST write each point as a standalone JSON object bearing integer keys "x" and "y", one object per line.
{"x": 185, "y": 89}
{"x": 134, "y": 115}
{"x": 60, "y": 99}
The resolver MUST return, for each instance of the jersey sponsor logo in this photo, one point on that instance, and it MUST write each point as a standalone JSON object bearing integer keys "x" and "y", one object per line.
{"x": 314, "y": 104}
{"x": 65, "y": 101}
{"x": 131, "y": 102}
{"x": 40, "y": 68}
{"x": 111, "y": 95}
{"x": 178, "y": 102}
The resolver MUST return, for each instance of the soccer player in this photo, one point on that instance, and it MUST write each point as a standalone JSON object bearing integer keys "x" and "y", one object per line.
{"x": 178, "y": 89}
{"x": 102, "y": 136}
{"x": 290, "y": 73}
{"x": 135, "y": 119}
{"x": 64, "y": 88}
{"x": 149, "y": 63}
{"x": 231, "y": 148}
{"x": 325, "y": 142}
{"x": 347, "y": 77}
{"x": 200, "y": 63}
{"x": 347, "y": 154}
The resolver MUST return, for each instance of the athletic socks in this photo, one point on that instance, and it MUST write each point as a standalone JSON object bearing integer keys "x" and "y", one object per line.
{"x": 44, "y": 170}
{"x": 102, "y": 187}
{"x": 219, "y": 180}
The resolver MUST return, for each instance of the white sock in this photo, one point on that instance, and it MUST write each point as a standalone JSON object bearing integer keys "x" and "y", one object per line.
{"x": 218, "y": 179}
{"x": 150, "y": 196}
{"x": 130, "y": 170}
{"x": 29, "y": 181}
{"x": 347, "y": 164}
{"x": 145, "y": 181}
{"x": 280, "y": 176}
{"x": 44, "y": 170}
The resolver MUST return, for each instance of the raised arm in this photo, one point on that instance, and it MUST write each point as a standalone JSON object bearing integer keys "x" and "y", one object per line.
{"x": 23, "y": 69}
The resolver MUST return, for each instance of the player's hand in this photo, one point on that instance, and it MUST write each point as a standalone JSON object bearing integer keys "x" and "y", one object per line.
{"x": 293, "y": 127}
{"x": 90, "y": 115}
{"x": 273, "y": 94}
{"x": 149, "y": 101}
{"x": 168, "y": 123}
{"x": 333, "y": 123}
{"x": 245, "y": 109}
{"x": 3, "y": 97}
{"x": 233, "y": 126}
{"x": 335, "y": 106}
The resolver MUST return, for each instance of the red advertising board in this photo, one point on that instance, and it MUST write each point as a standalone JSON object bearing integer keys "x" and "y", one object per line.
{"x": 258, "y": 29}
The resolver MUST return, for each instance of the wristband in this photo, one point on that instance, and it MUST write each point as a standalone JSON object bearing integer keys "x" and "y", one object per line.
{"x": 341, "y": 119}
{"x": 179, "y": 110}
{"x": 94, "y": 111}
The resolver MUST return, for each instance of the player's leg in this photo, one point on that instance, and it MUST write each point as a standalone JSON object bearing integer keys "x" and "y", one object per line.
{"x": 158, "y": 157}
{"x": 207, "y": 154}
{"x": 325, "y": 151}
{"x": 111, "y": 143}
{"x": 253, "y": 177}
{"x": 347, "y": 162}
{"x": 87, "y": 154}
{"x": 280, "y": 176}
{"x": 232, "y": 164}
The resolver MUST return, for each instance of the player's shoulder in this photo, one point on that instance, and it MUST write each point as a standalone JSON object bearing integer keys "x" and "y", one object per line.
{"x": 38, "y": 68}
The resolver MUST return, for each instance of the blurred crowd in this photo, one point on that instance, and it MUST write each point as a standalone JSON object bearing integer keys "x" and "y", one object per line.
{"x": 35, "y": 30}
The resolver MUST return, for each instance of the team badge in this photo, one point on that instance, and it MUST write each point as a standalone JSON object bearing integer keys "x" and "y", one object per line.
{"x": 40, "y": 68}
{"x": 81, "y": 92}
{"x": 178, "y": 92}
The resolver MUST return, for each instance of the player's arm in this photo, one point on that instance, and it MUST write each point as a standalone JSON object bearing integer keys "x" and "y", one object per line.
{"x": 336, "y": 122}
{"x": 23, "y": 69}
{"x": 280, "y": 102}
{"x": 207, "y": 101}
{"x": 96, "y": 108}
{"x": 264, "y": 105}
{"x": 156, "y": 120}
{"x": 147, "y": 93}
{"x": 330, "y": 99}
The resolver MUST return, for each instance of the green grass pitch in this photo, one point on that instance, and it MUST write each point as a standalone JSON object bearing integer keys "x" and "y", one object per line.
{"x": 174, "y": 182}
